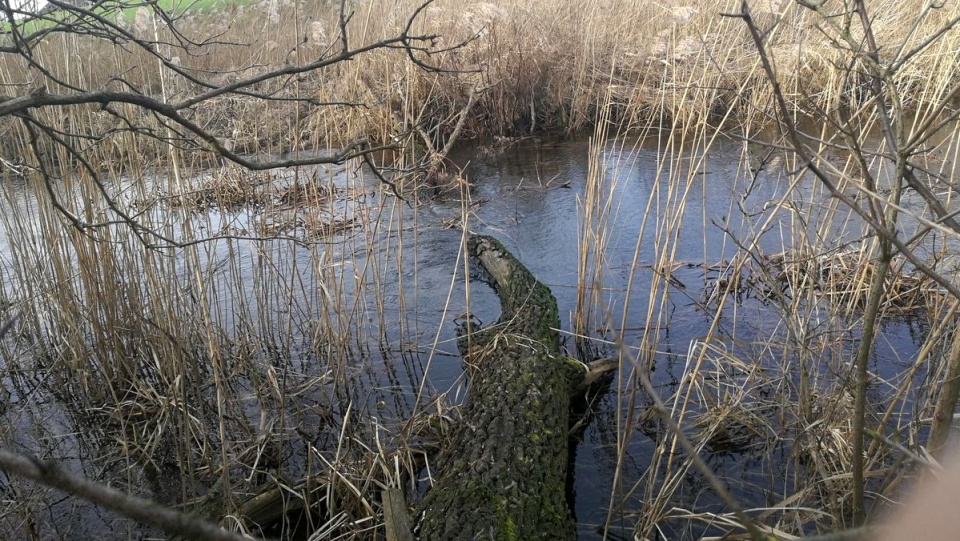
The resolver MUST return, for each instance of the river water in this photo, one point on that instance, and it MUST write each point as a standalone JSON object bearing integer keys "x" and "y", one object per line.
{"x": 399, "y": 281}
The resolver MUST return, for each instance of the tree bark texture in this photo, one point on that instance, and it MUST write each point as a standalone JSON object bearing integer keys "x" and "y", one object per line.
{"x": 503, "y": 475}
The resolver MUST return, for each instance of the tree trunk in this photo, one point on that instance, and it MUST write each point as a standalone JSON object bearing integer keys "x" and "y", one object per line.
{"x": 503, "y": 475}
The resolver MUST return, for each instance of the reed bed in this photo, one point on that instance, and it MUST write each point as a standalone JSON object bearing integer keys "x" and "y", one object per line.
{"x": 778, "y": 393}
{"x": 246, "y": 330}
{"x": 840, "y": 277}
{"x": 529, "y": 67}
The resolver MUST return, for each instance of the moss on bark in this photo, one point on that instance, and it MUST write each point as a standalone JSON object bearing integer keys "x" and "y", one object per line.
{"x": 503, "y": 475}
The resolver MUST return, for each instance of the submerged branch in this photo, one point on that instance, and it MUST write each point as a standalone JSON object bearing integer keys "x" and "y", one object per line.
{"x": 139, "y": 509}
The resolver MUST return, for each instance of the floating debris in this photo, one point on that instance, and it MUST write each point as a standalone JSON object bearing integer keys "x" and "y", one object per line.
{"x": 233, "y": 188}
{"x": 843, "y": 277}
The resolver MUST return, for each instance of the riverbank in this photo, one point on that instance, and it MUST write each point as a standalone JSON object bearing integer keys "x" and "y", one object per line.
{"x": 507, "y": 68}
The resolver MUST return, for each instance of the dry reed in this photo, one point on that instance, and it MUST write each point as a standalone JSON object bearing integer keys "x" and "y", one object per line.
{"x": 214, "y": 362}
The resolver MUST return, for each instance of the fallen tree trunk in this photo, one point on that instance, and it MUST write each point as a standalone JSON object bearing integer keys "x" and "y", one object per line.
{"x": 503, "y": 475}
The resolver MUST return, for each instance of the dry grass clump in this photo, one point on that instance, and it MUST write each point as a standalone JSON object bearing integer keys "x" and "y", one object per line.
{"x": 823, "y": 448}
{"x": 227, "y": 188}
{"x": 233, "y": 188}
{"x": 314, "y": 223}
{"x": 745, "y": 411}
{"x": 840, "y": 277}
{"x": 280, "y": 203}
{"x": 729, "y": 404}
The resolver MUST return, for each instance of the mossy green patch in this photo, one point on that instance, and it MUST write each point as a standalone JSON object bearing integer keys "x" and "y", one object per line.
{"x": 574, "y": 363}
{"x": 508, "y": 527}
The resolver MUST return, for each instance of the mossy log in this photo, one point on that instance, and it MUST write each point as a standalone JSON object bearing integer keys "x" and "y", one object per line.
{"x": 503, "y": 474}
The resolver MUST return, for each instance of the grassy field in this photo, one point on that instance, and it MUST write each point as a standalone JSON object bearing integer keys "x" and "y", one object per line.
{"x": 177, "y": 347}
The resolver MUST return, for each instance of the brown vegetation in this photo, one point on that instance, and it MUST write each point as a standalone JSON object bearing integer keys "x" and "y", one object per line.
{"x": 214, "y": 323}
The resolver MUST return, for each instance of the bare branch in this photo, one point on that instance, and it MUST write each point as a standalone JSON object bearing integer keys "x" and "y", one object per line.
{"x": 139, "y": 509}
